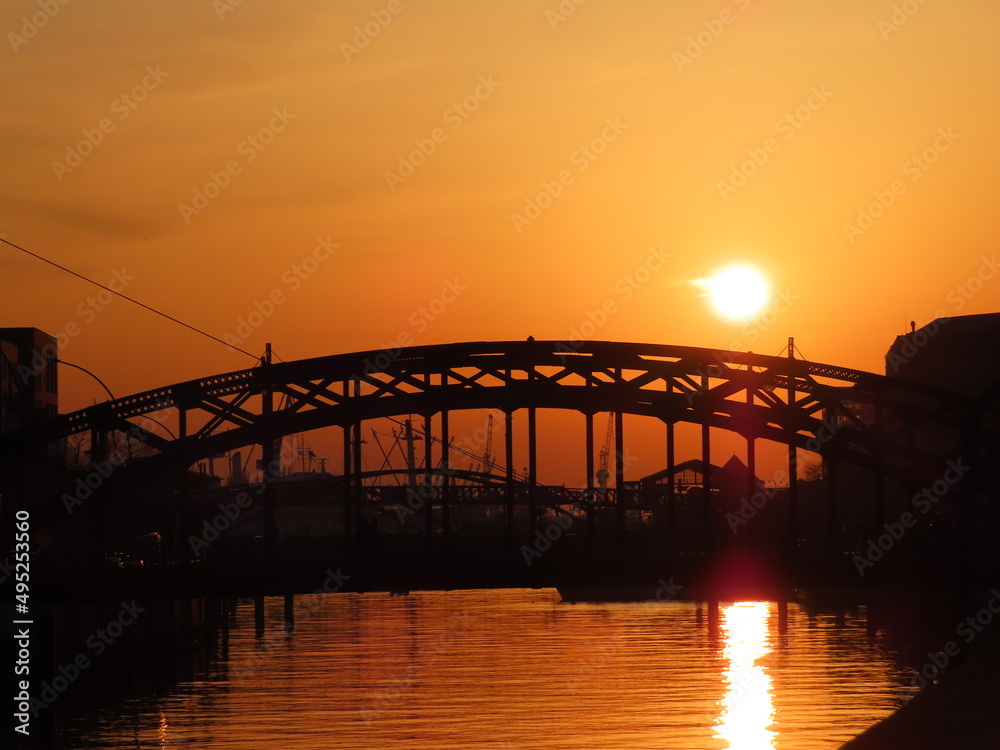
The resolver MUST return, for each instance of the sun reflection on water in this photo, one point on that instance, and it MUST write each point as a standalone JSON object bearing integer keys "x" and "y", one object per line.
{"x": 748, "y": 706}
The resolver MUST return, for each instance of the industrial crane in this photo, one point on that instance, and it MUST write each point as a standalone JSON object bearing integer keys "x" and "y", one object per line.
{"x": 602, "y": 472}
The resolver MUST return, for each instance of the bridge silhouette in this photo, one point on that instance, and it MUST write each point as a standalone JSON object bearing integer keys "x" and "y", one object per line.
{"x": 902, "y": 435}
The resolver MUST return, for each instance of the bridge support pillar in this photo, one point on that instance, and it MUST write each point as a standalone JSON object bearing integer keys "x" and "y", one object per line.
{"x": 271, "y": 471}
{"x": 532, "y": 471}
{"x": 708, "y": 534}
{"x": 879, "y": 488}
{"x": 428, "y": 480}
{"x": 347, "y": 482}
{"x": 508, "y": 446}
{"x": 751, "y": 489}
{"x": 357, "y": 484}
{"x": 671, "y": 535}
{"x": 793, "y": 465}
{"x": 621, "y": 497}
{"x": 445, "y": 479}
{"x": 271, "y": 467}
{"x": 181, "y": 552}
{"x": 833, "y": 520}
{"x": 589, "y": 440}
{"x": 793, "y": 501}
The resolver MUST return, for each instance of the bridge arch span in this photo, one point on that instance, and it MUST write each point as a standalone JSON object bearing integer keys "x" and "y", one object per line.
{"x": 872, "y": 421}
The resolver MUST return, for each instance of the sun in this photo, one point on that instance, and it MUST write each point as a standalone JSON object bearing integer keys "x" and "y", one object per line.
{"x": 738, "y": 291}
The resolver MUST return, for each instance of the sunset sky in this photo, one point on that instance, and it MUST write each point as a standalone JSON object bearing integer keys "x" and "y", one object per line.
{"x": 528, "y": 160}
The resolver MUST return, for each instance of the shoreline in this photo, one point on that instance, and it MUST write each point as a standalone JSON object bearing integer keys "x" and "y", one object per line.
{"x": 958, "y": 711}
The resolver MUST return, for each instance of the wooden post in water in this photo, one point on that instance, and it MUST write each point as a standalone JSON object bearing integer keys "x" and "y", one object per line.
{"x": 224, "y": 624}
{"x": 289, "y": 613}
{"x": 713, "y": 618}
{"x": 258, "y": 614}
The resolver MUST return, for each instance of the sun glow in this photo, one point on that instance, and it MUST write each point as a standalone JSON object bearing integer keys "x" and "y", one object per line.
{"x": 748, "y": 707}
{"x": 737, "y": 291}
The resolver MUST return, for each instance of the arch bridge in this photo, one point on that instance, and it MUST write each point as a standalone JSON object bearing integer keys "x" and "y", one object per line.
{"x": 893, "y": 429}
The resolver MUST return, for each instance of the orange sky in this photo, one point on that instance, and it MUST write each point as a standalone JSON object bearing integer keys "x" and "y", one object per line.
{"x": 634, "y": 115}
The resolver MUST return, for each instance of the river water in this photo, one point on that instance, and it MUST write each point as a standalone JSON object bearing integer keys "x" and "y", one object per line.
{"x": 516, "y": 669}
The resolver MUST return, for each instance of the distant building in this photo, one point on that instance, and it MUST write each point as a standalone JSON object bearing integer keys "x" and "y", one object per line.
{"x": 29, "y": 383}
{"x": 956, "y": 354}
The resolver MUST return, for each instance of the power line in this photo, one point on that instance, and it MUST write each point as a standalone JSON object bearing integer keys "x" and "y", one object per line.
{"x": 130, "y": 299}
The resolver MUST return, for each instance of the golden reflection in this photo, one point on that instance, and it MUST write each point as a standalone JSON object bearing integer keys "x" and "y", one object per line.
{"x": 161, "y": 731}
{"x": 748, "y": 707}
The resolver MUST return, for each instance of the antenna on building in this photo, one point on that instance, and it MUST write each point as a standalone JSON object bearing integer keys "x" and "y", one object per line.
{"x": 913, "y": 326}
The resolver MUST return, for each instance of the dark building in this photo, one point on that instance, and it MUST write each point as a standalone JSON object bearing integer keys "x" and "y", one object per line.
{"x": 957, "y": 354}
{"x": 29, "y": 384}
{"x": 29, "y": 394}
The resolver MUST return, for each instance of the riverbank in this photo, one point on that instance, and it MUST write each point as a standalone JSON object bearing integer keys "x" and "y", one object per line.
{"x": 960, "y": 711}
